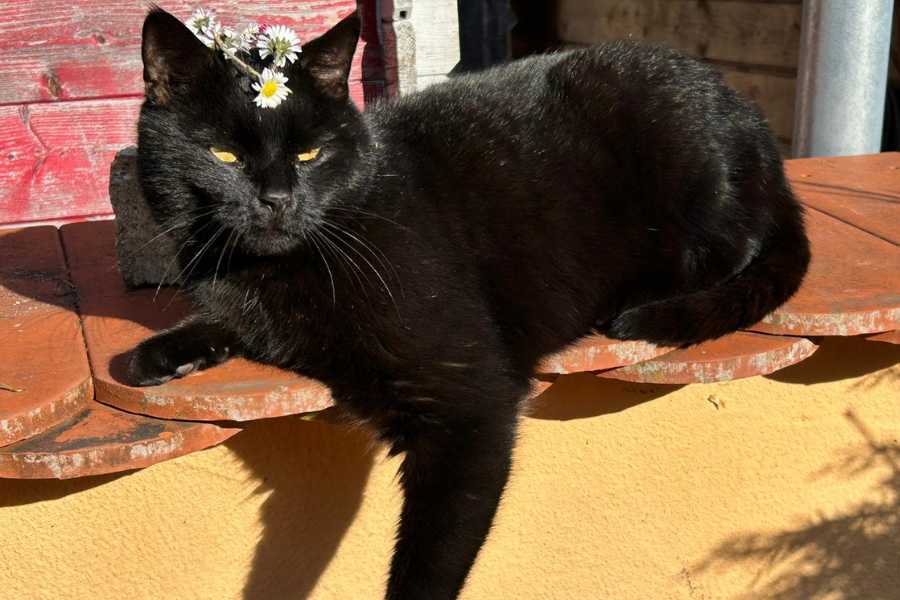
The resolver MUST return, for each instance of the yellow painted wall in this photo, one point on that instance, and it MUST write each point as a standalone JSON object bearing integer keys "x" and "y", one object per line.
{"x": 785, "y": 487}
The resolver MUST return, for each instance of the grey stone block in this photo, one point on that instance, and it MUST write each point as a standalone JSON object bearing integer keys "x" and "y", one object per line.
{"x": 143, "y": 252}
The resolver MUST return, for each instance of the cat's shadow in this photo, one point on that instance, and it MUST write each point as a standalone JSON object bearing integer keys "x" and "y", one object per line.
{"x": 314, "y": 475}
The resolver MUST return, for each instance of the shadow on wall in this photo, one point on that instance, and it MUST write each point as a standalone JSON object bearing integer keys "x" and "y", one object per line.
{"x": 841, "y": 358}
{"x": 19, "y": 492}
{"x": 315, "y": 474}
{"x": 584, "y": 395}
{"x": 852, "y": 556}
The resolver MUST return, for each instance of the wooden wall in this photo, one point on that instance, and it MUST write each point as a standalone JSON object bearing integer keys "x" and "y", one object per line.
{"x": 755, "y": 43}
{"x": 71, "y": 87}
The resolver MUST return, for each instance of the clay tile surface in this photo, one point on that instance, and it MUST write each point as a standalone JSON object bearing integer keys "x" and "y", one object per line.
{"x": 863, "y": 191}
{"x": 852, "y": 287}
{"x": 116, "y": 319}
{"x": 741, "y": 354}
{"x": 44, "y": 373}
{"x": 890, "y": 337}
{"x": 100, "y": 439}
{"x": 596, "y": 353}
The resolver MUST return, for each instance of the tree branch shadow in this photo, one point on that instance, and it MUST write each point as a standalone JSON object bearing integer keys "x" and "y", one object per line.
{"x": 850, "y": 556}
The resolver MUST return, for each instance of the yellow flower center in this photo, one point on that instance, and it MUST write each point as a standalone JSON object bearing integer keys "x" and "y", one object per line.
{"x": 268, "y": 89}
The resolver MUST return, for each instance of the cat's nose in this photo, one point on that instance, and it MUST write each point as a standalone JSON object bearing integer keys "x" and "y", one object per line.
{"x": 274, "y": 199}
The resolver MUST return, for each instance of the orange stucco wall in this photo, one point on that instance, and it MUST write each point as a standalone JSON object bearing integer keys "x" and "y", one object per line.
{"x": 784, "y": 487}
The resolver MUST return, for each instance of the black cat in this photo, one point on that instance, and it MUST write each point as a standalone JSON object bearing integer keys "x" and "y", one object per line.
{"x": 421, "y": 257}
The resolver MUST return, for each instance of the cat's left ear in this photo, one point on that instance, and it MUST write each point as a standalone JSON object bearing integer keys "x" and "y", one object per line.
{"x": 172, "y": 56}
{"x": 327, "y": 59}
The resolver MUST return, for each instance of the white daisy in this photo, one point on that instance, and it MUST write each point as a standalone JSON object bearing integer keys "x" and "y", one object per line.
{"x": 247, "y": 37}
{"x": 203, "y": 23}
{"x": 280, "y": 42}
{"x": 229, "y": 41}
{"x": 272, "y": 89}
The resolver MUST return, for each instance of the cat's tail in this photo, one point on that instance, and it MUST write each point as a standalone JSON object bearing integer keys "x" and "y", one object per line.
{"x": 766, "y": 283}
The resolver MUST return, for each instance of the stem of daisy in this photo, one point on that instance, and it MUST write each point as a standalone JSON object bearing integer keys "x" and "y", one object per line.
{"x": 246, "y": 68}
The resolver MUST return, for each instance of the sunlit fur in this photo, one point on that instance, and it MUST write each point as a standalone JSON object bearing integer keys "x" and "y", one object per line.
{"x": 441, "y": 244}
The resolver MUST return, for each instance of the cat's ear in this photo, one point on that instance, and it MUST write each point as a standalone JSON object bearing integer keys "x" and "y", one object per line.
{"x": 327, "y": 59}
{"x": 172, "y": 55}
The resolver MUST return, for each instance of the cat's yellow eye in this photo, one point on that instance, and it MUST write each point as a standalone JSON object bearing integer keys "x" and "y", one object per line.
{"x": 309, "y": 155}
{"x": 224, "y": 155}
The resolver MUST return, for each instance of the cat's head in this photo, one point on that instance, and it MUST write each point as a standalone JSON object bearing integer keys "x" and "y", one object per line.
{"x": 264, "y": 176}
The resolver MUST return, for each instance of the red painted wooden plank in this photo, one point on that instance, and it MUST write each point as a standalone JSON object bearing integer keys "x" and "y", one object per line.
{"x": 102, "y": 440}
{"x": 19, "y": 153}
{"x": 105, "y": 124}
{"x": 860, "y": 190}
{"x": 116, "y": 319}
{"x": 44, "y": 373}
{"x": 852, "y": 287}
{"x": 74, "y": 49}
{"x": 56, "y": 156}
{"x": 741, "y": 354}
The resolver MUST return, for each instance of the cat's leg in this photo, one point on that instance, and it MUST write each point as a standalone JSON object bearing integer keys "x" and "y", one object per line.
{"x": 192, "y": 345}
{"x": 453, "y": 475}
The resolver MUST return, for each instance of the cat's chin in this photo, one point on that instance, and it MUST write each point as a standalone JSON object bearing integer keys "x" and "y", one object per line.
{"x": 272, "y": 243}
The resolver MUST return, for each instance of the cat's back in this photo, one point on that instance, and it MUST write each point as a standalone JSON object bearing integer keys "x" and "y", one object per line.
{"x": 621, "y": 95}
{"x": 621, "y": 69}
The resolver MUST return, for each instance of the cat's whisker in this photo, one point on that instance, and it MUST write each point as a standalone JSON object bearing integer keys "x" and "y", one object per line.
{"x": 221, "y": 256}
{"x": 237, "y": 240}
{"x": 360, "y": 211}
{"x": 246, "y": 301}
{"x": 338, "y": 244}
{"x": 169, "y": 228}
{"x": 339, "y": 253}
{"x": 174, "y": 260}
{"x": 371, "y": 266}
{"x": 362, "y": 256}
{"x": 376, "y": 252}
{"x": 325, "y": 262}
{"x": 193, "y": 217}
{"x": 195, "y": 260}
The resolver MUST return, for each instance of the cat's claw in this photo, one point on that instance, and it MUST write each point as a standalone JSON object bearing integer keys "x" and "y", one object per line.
{"x": 185, "y": 369}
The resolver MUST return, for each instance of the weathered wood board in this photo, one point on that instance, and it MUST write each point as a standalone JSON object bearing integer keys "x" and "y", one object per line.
{"x": 436, "y": 27}
{"x": 774, "y": 93}
{"x": 754, "y": 43}
{"x": 859, "y": 190}
{"x": 55, "y": 156}
{"x": 44, "y": 373}
{"x": 748, "y": 32}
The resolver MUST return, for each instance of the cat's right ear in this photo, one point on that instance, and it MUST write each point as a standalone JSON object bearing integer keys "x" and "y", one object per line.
{"x": 172, "y": 56}
{"x": 327, "y": 59}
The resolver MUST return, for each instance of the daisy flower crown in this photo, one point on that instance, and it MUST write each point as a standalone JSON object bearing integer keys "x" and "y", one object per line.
{"x": 276, "y": 43}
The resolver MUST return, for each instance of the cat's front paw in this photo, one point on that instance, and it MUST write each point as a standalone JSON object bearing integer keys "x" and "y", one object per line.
{"x": 167, "y": 356}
